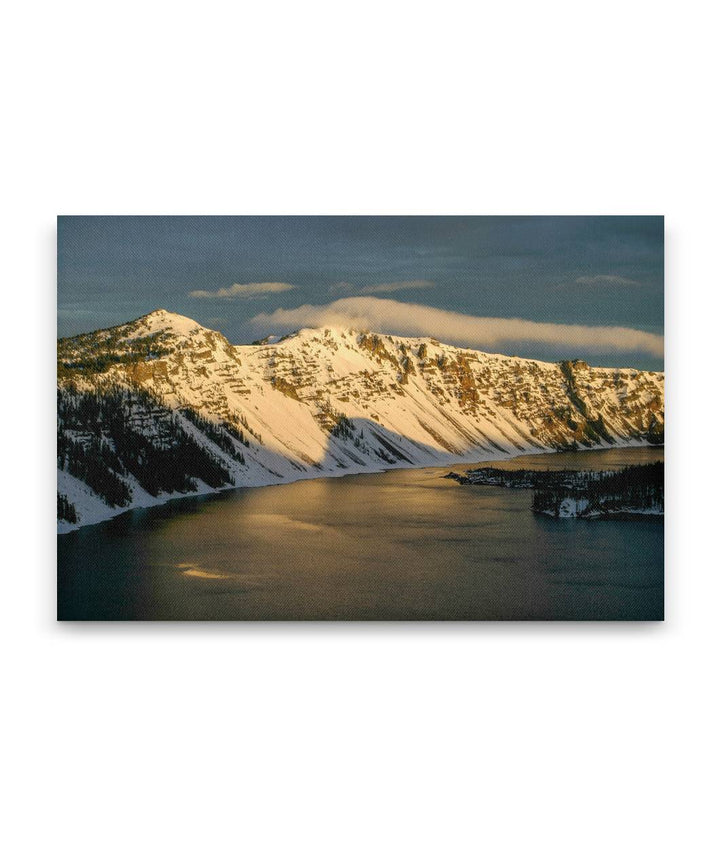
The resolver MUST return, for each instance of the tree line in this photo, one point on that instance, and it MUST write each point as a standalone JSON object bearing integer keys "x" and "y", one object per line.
{"x": 65, "y": 509}
{"x": 640, "y": 486}
{"x": 109, "y": 446}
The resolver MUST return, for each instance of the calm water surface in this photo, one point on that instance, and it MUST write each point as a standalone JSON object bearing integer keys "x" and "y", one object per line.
{"x": 406, "y": 544}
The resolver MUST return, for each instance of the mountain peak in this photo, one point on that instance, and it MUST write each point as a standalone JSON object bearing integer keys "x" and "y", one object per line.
{"x": 323, "y": 401}
{"x": 162, "y": 314}
{"x": 161, "y": 319}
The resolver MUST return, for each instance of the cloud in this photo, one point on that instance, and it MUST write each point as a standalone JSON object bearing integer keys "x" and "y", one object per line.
{"x": 381, "y": 287}
{"x": 249, "y": 289}
{"x": 605, "y": 279}
{"x": 410, "y": 319}
{"x": 389, "y": 287}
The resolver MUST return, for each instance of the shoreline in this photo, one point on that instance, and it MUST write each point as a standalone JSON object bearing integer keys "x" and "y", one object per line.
{"x": 69, "y": 528}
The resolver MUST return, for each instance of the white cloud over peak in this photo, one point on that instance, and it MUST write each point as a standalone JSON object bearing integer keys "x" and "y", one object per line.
{"x": 249, "y": 289}
{"x": 410, "y": 319}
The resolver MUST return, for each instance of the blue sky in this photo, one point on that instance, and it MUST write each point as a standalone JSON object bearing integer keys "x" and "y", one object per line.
{"x": 251, "y": 276}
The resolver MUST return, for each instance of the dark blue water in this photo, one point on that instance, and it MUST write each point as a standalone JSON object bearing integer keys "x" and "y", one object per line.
{"x": 405, "y": 544}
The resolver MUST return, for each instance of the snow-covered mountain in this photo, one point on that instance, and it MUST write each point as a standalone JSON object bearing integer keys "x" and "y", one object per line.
{"x": 162, "y": 406}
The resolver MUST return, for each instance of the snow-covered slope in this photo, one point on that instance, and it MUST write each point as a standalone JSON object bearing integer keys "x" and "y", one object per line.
{"x": 164, "y": 392}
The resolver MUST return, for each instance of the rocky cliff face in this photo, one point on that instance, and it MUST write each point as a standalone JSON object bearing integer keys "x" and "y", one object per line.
{"x": 162, "y": 406}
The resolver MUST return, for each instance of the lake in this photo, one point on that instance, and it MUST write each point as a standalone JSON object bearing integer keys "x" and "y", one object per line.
{"x": 404, "y": 544}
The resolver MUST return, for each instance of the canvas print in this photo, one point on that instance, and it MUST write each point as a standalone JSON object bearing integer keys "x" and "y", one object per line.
{"x": 360, "y": 418}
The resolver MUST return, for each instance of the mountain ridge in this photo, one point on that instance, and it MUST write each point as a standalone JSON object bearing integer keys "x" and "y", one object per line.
{"x": 318, "y": 402}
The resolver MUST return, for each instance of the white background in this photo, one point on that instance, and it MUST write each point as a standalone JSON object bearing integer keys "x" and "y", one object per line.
{"x": 498, "y": 739}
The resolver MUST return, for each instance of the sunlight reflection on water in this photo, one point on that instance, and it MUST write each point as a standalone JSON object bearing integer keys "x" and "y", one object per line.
{"x": 406, "y": 544}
